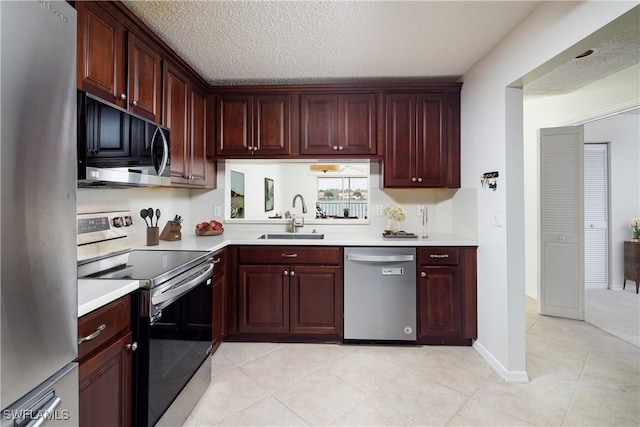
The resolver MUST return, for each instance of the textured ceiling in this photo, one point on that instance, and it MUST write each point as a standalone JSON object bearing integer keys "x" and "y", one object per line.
{"x": 257, "y": 42}
{"x": 253, "y": 42}
{"x": 617, "y": 52}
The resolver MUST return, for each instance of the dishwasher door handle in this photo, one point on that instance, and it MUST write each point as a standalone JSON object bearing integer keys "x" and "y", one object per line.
{"x": 379, "y": 258}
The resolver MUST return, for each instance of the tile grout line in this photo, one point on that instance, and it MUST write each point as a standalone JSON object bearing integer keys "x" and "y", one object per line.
{"x": 574, "y": 394}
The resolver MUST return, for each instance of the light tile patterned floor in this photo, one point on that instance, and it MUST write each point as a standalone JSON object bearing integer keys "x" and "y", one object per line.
{"x": 580, "y": 376}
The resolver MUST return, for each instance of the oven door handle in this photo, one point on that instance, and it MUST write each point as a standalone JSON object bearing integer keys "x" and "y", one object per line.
{"x": 174, "y": 292}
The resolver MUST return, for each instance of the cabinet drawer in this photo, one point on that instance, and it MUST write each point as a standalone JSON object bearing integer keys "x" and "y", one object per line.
{"x": 290, "y": 255}
{"x": 99, "y": 326}
{"x": 438, "y": 256}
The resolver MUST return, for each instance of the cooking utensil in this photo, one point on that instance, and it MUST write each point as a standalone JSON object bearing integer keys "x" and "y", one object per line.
{"x": 157, "y": 216}
{"x": 150, "y": 215}
{"x": 143, "y": 214}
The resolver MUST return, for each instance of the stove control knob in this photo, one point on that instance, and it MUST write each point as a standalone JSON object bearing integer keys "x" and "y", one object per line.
{"x": 128, "y": 221}
{"x": 118, "y": 221}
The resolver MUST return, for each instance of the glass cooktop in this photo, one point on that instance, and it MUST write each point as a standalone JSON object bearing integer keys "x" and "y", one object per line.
{"x": 148, "y": 265}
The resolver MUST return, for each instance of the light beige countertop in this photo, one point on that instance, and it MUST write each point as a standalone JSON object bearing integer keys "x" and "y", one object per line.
{"x": 213, "y": 243}
{"x": 94, "y": 293}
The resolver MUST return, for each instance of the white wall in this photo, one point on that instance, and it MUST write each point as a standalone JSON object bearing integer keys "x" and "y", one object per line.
{"x": 487, "y": 146}
{"x": 614, "y": 93}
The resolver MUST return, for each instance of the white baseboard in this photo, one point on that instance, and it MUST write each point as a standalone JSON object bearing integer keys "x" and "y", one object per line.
{"x": 531, "y": 294}
{"x": 498, "y": 368}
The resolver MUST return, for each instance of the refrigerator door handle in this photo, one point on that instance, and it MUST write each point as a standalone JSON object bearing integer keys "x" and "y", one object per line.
{"x": 43, "y": 410}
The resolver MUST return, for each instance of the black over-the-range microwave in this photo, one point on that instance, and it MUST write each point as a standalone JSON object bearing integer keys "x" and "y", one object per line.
{"x": 120, "y": 149}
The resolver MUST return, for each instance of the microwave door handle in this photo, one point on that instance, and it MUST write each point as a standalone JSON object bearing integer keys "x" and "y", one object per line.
{"x": 165, "y": 151}
{"x": 153, "y": 151}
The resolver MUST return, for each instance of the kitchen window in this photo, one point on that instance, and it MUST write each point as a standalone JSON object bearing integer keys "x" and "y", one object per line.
{"x": 342, "y": 197}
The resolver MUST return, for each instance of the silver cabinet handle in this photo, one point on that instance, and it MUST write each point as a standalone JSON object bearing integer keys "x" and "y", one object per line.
{"x": 285, "y": 273}
{"x": 414, "y": 179}
{"x": 340, "y": 148}
{"x": 289, "y": 255}
{"x": 215, "y": 261}
{"x": 255, "y": 148}
{"x": 439, "y": 256}
{"x": 423, "y": 274}
{"x": 134, "y": 103}
{"x": 122, "y": 96}
{"x": 132, "y": 346}
{"x": 334, "y": 148}
{"x": 93, "y": 335}
{"x": 292, "y": 273}
{"x": 419, "y": 179}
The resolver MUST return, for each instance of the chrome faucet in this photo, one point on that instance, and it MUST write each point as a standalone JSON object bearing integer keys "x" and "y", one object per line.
{"x": 297, "y": 222}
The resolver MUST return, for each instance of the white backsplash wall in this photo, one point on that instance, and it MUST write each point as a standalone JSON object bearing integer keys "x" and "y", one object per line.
{"x": 170, "y": 201}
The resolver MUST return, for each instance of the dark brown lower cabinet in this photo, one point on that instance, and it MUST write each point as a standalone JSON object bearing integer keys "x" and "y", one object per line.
{"x": 315, "y": 300}
{"x": 219, "y": 296}
{"x": 302, "y": 297}
{"x": 447, "y": 298}
{"x": 264, "y": 299}
{"x": 105, "y": 362}
{"x": 105, "y": 385}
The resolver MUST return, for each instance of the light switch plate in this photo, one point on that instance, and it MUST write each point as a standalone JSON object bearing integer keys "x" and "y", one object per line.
{"x": 217, "y": 211}
{"x": 378, "y": 210}
{"x": 420, "y": 210}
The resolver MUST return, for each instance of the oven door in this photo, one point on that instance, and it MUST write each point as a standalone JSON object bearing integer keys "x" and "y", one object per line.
{"x": 172, "y": 347}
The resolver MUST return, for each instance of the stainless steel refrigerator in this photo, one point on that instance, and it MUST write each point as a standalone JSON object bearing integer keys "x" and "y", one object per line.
{"x": 38, "y": 270}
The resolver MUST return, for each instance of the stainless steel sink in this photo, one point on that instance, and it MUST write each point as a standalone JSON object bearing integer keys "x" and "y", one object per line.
{"x": 296, "y": 236}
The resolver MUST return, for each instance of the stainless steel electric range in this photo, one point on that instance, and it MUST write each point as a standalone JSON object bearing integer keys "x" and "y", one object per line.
{"x": 172, "y": 314}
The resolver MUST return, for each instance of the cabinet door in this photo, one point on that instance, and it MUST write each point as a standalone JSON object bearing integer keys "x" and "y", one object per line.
{"x": 175, "y": 117}
{"x": 357, "y": 123}
{"x": 432, "y": 141}
{"x": 439, "y": 302}
{"x": 196, "y": 154}
{"x": 272, "y": 125}
{"x": 316, "y": 300}
{"x": 105, "y": 386}
{"x": 263, "y": 298}
{"x": 218, "y": 324}
{"x": 318, "y": 124}
{"x": 234, "y": 126}
{"x": 101, "y": 53}
{"x": 144, "y": 71}
{"x": 401, "y": 155}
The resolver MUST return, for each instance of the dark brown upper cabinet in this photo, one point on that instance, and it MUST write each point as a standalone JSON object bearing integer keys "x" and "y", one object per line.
{"x": 338, "y": 124}
{"x": 116, "y": 65}
{"x": 422, "y": 143}
{"x": 253, "y": 125}
{"x": 185, "y": 112}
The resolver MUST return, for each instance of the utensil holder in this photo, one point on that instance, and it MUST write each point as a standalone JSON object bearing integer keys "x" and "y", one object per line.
{"x": 152, "y": 236}
{"x": 171, "y": 232}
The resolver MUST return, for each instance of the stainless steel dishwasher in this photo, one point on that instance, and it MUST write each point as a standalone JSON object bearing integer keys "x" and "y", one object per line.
{"x": 380, "y": 294}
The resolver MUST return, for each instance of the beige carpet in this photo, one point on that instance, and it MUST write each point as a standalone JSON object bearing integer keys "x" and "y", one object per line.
{"x": 615, "y": 311}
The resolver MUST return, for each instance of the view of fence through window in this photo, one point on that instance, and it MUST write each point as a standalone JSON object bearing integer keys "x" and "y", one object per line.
{"x": 342, "y": 197}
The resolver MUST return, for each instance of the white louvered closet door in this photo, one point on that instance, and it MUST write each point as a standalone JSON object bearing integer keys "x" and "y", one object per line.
{"x": 561, "y": 222}
{"x": 596, "y": 216}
